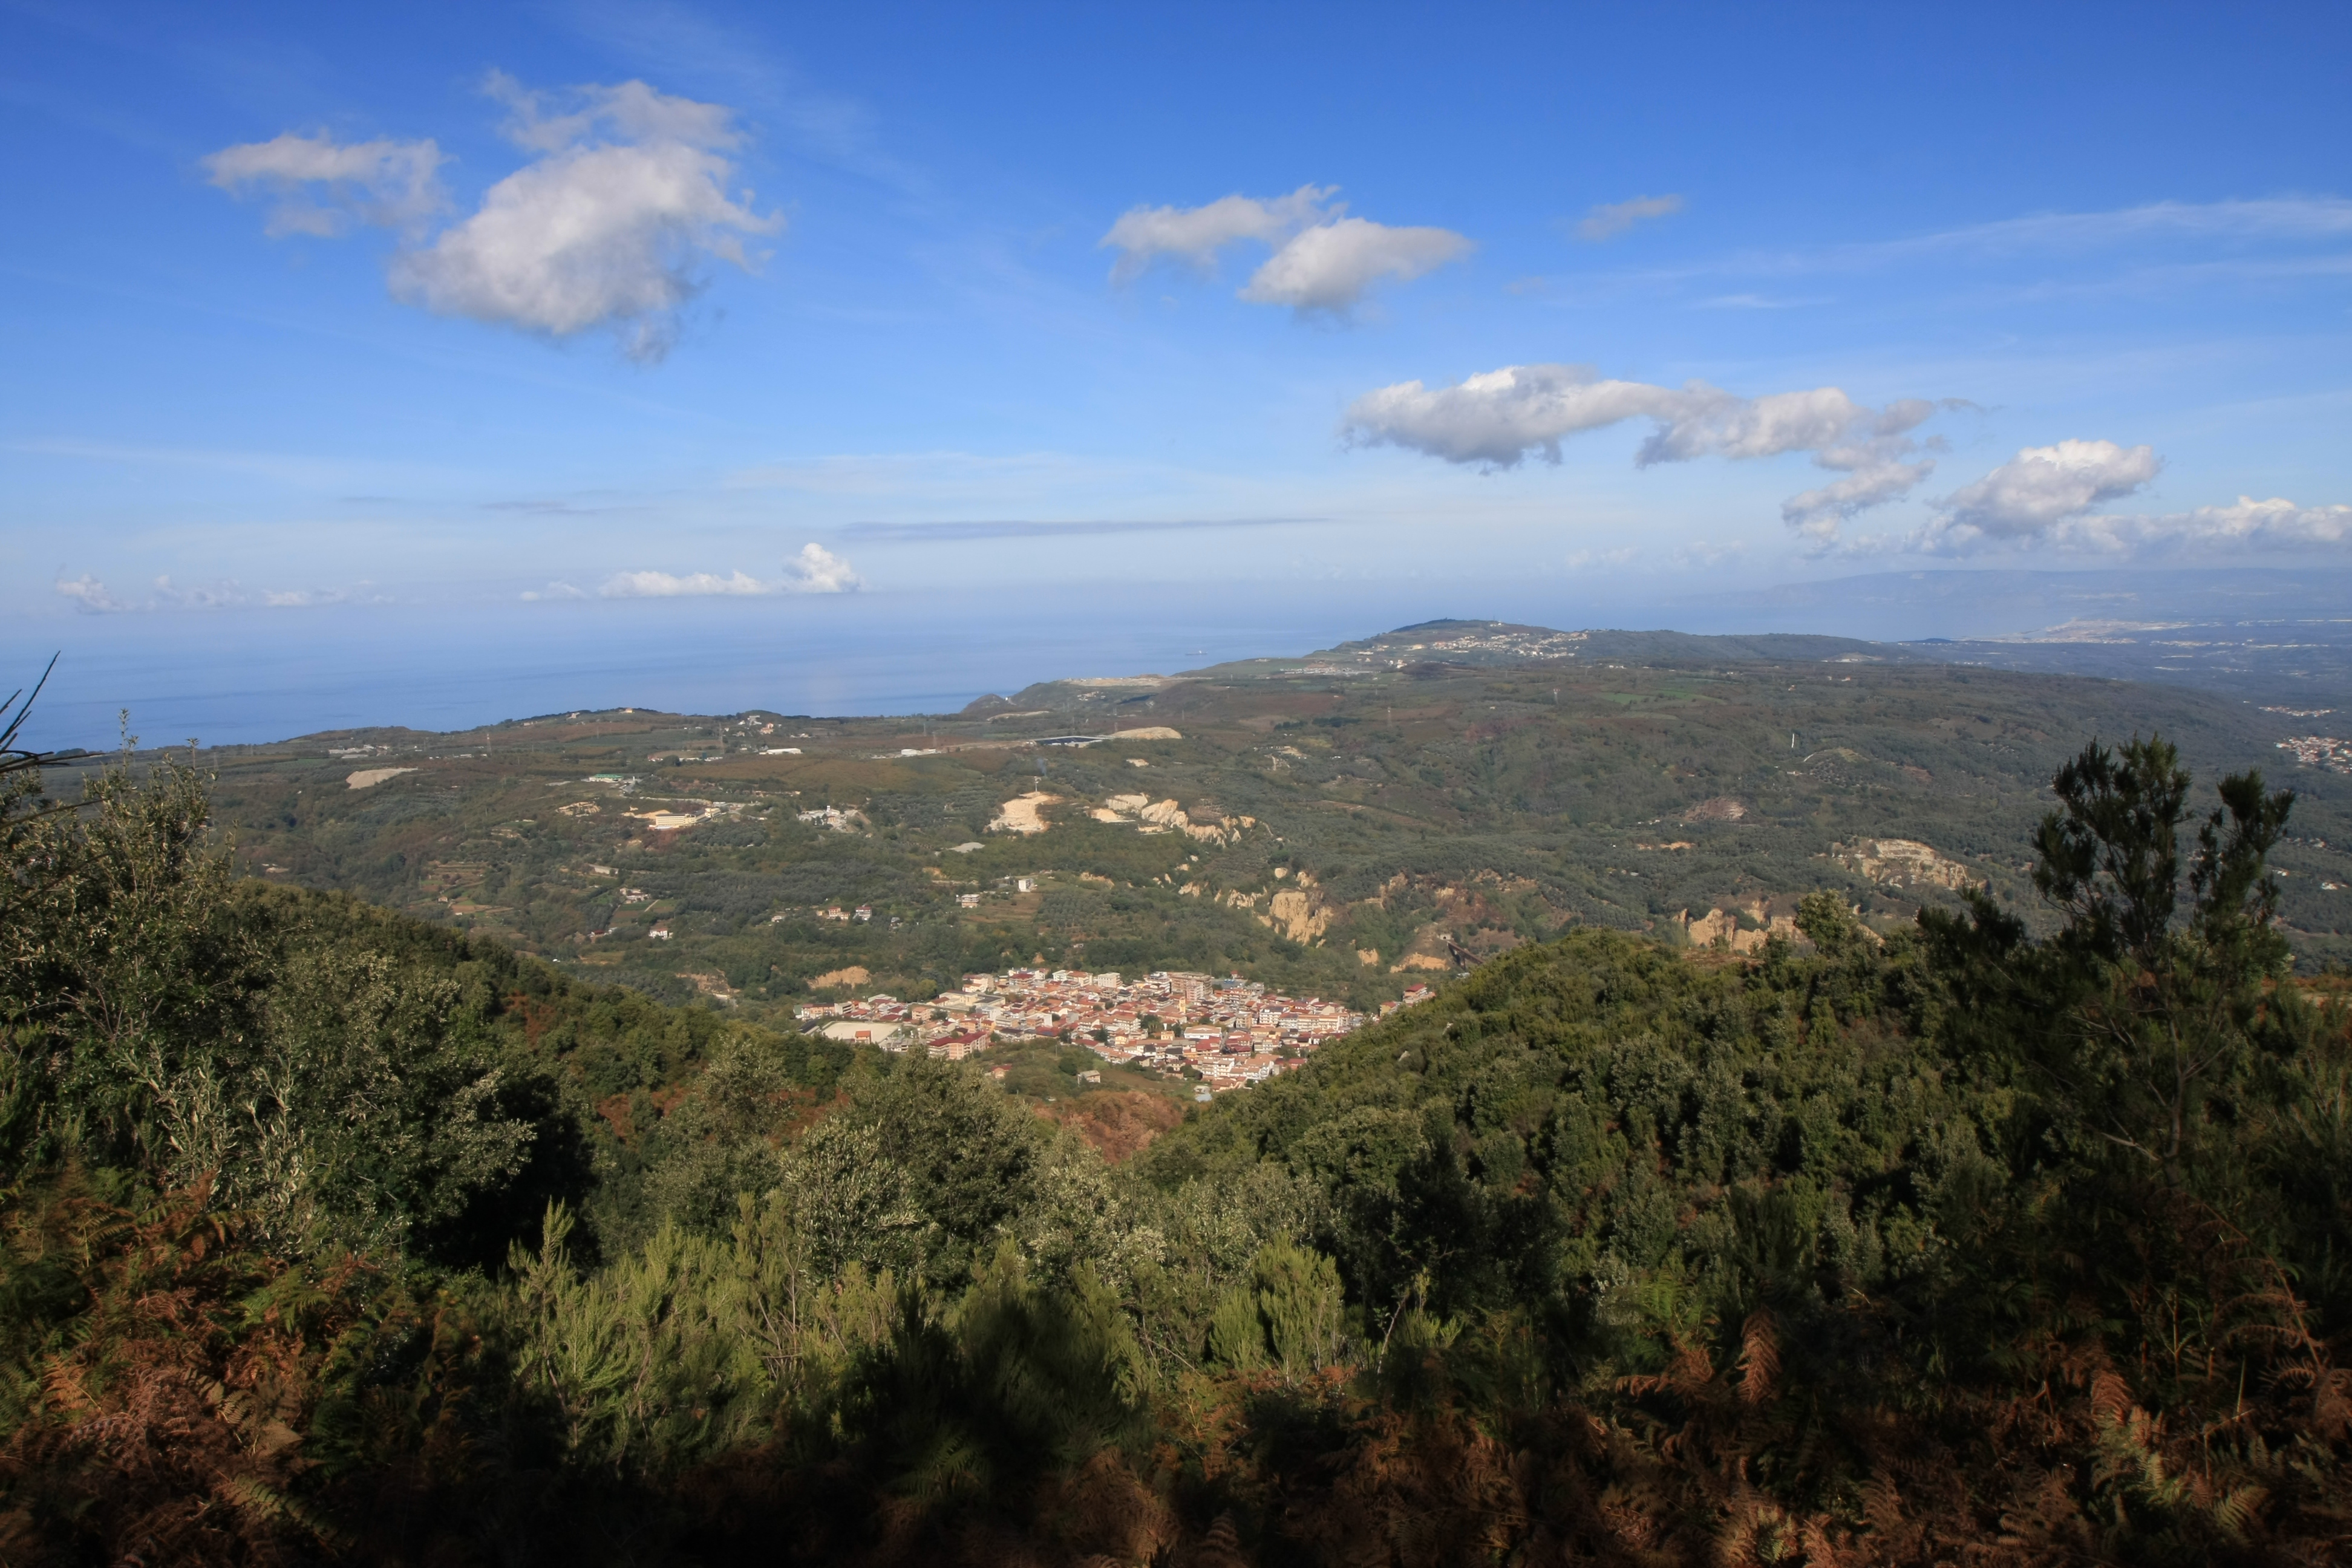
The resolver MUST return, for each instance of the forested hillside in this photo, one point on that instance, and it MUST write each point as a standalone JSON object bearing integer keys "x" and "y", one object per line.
{"x": 1329, "y": 825}
{"x": 333, "y": 1236}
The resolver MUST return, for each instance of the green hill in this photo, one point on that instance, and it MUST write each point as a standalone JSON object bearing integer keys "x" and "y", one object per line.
{"x": 328, "y": 1234}
{"x": 1494, "y": 803}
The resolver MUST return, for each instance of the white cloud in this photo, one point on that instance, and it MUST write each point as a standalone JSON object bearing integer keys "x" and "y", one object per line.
{"x": 1195, "y": 235}
{"x": 2048, "y": 497}
{"x": 1329, "y": 266}
{"x": 816, "y": 570}
{"x": 1496, "y": 419}
{"x": 590, "y": 238}
{"x": 608, "y": 227}
{"x": 2037, "y": 490}
{"x": 1816, "y": 513}
{"x": 631, "y": 112}
{"x": 90, "y": 595}
{"x": 1608, "y": 221}
{"x": 1323, "y": 260}
{"x": 2249, "y": 525}
{"x": 694, "y": 584}
{"x": 557, "y": 590}
{"x": 321, "y": 186}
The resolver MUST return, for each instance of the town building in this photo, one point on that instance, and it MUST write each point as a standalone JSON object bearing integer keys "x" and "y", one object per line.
{"x": 1226, "y": 1032}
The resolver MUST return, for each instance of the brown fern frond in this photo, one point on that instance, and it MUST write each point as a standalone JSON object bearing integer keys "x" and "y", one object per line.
{"x": 1755, "y": 1532}
{"x": 2331, "y": 1402}
{"x": 2237, "y": 1512}
{"x": 1882, "y": 1506}
{"x": 2110, "y": 1399}
{"x": 1692, "y": 1370}
{"x": 1220, "y": 1547}
{"x": 1105, "y": 1510}
{"x": 1760, "y": 1358}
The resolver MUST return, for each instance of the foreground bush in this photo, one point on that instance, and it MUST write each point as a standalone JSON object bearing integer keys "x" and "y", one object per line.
{"x": 1945, "y": 1245}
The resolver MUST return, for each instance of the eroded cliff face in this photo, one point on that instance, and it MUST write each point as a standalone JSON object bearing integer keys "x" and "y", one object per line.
{"x": 1298, "y": 914}
{"x": 1903, "y": 863}
{"x": 1723, "y": 926}
{"x": 1166, "y": 816}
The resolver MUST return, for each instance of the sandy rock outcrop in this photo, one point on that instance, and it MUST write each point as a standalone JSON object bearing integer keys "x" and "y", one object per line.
{"x": 1298, "y": 914}
{"x": 1120, "y": 809}
{"x": 1723, "y": 926}
{"x": 1167, "y": 816}
{"x": 1905, "y": 863}
{"x": 1023, "y": 814}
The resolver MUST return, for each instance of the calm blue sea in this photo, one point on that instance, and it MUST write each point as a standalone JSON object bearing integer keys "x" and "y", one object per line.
{"x": 243, "y": 675}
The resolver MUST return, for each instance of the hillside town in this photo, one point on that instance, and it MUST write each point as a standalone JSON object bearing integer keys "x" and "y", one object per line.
{"x": 1226, "y": 1032}
{"x": 2319, "y": 750}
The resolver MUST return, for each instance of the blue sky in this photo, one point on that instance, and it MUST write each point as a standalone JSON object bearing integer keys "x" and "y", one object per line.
{"x": 532, "y": 311}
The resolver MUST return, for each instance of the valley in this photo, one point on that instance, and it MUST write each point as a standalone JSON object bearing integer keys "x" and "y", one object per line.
{"x": 1334, "y": 826}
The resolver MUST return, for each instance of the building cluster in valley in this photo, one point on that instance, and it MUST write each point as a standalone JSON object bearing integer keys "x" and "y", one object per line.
{"x": 2319, "y": 750}
{"x": 1230, "y": 1031}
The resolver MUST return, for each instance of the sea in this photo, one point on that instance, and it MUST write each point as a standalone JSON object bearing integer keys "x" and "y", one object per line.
{"x": 252, "y": 675}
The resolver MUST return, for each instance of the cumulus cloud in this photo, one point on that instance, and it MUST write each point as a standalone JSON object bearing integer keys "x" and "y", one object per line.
{"x": 2249, "y": 525}
{"x": 2045, "y": 485}
{"x": 320, "y": 186}
{"x": 1496, "y": 419}
{"x": 1614, "y": 219}
{"x": 610, "y": 226}
{"x": 2050, "y": 496}
{"x": 596, "y": 236}
{"x": 816, "y": 570}
{"x": 1323, "y": 260}
{"x": 2039, "y": 490}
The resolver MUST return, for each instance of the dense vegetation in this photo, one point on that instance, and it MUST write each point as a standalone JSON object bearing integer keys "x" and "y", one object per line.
{"x": 1424, "y": 803}
{"x": 331, "y": 1236}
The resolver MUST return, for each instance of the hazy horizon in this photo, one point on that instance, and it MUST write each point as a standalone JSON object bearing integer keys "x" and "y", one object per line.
{"x": 258, "y": 677}
{"x": 405, "y": 367}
